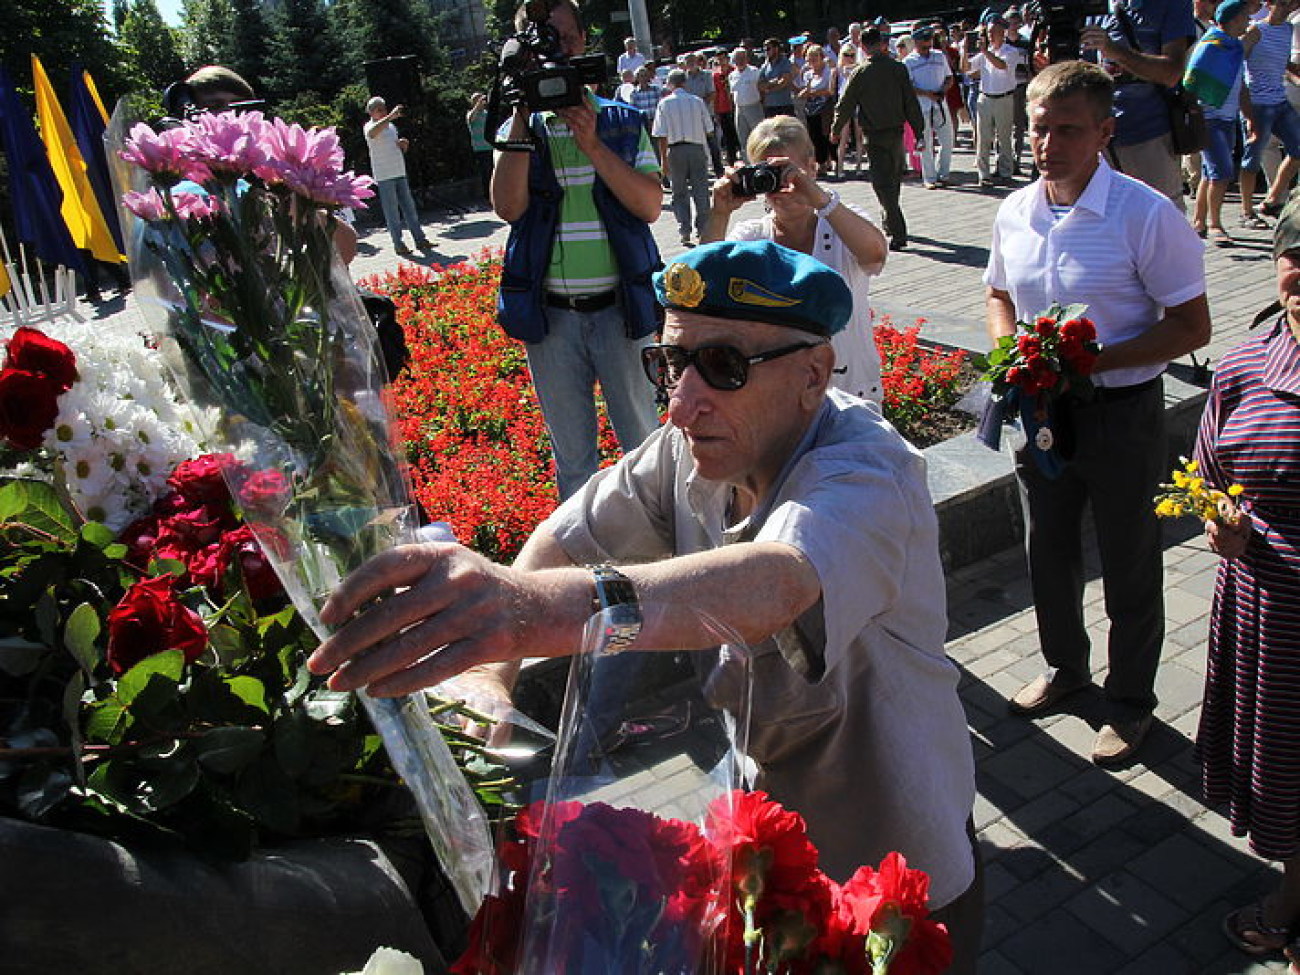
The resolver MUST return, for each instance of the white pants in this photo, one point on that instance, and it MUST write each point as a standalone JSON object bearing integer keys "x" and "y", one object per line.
{"x": 995, "y": 114}
{"x": 937, "y": 138}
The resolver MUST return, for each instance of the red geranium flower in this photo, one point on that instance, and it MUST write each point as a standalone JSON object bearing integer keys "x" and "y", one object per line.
{"x": 149, "y": 620}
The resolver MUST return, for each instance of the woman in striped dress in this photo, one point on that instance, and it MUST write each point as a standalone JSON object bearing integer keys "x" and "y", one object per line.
{"x": 1249, "y": 736}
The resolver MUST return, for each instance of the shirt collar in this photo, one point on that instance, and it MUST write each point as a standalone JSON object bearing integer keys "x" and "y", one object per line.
{"x": 1281, "y": 371}
{"x": 1094, "y": 196}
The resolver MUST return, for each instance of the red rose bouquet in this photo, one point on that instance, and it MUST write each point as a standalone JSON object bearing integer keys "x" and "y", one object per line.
{"x": 229, "y": 220}
{"x": 1035, "y": 372}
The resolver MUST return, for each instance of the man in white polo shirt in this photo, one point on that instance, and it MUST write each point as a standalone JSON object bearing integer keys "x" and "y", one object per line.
{"x": 388, "y": 167}
{"x": 631, "y": 58}
{"x": 682, "y": 125}
{"x": 995, "y": 64}
{"x": 932, "y": 77}
{"x": 1085, "y": 233}
{"x": 744, "y": 93}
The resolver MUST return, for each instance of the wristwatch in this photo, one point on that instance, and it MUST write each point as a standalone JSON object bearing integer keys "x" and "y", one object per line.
{"x": 621, "y": 611}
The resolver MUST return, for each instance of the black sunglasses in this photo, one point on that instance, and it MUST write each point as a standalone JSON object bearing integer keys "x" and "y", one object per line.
{"x": 723, "y": 367}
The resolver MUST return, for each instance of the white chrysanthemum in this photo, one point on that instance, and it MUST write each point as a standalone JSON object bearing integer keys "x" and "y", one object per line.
{"x": 121, "y": 428}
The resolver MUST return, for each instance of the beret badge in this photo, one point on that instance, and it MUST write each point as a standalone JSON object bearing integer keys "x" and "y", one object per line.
{"x": 683, "y": 285}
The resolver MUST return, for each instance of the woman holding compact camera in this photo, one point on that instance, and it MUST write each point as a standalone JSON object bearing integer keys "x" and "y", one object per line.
{"x": 805, "y": 217}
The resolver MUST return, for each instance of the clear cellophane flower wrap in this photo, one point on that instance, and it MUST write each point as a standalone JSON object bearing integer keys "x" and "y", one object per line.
{"x": 229, "y": 222}
{"x": 607, "y": 868}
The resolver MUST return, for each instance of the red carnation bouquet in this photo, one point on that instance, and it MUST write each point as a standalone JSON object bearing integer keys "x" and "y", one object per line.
{"x": 639, "y": 853}
{"x": 1034, "y": 372}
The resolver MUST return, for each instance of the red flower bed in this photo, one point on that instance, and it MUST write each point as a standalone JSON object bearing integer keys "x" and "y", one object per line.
{"x": 467, "y": 414}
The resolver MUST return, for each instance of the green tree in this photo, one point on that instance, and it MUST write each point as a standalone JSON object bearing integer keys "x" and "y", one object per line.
{"x": 373, "y": 29}
{"x": 150, "y": 47}
{"x": 304, "y": 52}
{"x": 246, "y": 49}
{"x": 206, "y": 33}
{"x": 60, "y": 34}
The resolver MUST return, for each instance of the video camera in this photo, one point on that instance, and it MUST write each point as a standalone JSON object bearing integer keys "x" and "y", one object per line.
{"x": 182, "y": 104}
{"x": 533, "y": 70}
{"x": 1060, "y": 23}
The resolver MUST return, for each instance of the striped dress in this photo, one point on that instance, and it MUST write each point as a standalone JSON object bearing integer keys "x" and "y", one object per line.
{"x": 1249, "y": 736}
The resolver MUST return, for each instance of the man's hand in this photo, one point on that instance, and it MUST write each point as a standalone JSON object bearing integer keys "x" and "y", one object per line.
{"x": 1229, "y": 539}
{"x": 1094, "y": 38}
{"x": 396, "y": 112}
{"x": 444, "y": 609}
{"x": 581, "y": 120}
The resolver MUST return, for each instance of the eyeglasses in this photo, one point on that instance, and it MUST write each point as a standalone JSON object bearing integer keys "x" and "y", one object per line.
{"x": 723, "y": 367}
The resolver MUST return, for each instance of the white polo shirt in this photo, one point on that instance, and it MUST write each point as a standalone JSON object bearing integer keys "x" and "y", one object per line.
{"x": 630, "y": 62}
{"x": 744, "y": 86}
{"x": 995, "y": 80}
{"x": 386, "y": 159}
{"x": 682, "y": 117}
{"x": 1122, "y": 249}
{"x": 928, "y": 71}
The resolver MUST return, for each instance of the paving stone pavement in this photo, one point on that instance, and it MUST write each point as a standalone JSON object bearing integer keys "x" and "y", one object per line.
{"x": 1087, "y": 871}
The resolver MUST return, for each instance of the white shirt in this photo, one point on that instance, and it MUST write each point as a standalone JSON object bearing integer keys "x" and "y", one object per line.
{"x": 857, "y": 360}
{"x": 744, "y": 86}
{"x": 682, "y": 117}
{"x": 928, "y": 71}
{"x": 1123, "y": 250}
{"x": 995, "y": 80}
{"x": 386, "y": 159}
{"x": 856, "y": 720}
{"x": 630, "y": 62}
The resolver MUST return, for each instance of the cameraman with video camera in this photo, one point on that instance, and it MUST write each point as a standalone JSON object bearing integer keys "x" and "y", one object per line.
{"x": 576, "y": 282}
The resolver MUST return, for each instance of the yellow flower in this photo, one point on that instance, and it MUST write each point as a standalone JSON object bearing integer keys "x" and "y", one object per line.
{"x": 1167, "y": 509}
{"x": 1180, "y": 479}
{"x": 683, "y": 285}
{"x": 1235, "y": 491}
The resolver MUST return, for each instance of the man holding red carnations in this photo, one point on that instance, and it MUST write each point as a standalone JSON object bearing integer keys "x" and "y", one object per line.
{"x": 793, "y": 515}
{"x": 1085, "y": 233}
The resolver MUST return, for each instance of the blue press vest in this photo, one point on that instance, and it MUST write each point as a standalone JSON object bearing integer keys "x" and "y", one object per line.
{"x": 520, "y": 308}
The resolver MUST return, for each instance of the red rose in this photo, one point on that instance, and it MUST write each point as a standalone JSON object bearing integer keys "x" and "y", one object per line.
{"x": 149, "y": 620}
{"x": 200, "y": 480}
{"x": 1045, "y": 326}
{"x": 1029, "y": 346}
{"x": 29, "y": 404}
{"x": 264, "y": 491}
{"x": 493, "y": 938}
{"x": 240, "y": 546}
{"x": 140, "y": 537}
{"x": 205, "y": 567}
{"x": 1080, "y": 329}
{"x": 34, "y": 351}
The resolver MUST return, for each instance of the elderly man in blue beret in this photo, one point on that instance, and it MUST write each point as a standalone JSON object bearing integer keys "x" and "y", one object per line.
{"x": 792, "y": 513}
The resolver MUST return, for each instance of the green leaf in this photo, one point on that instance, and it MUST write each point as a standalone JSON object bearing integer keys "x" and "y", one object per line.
{"x": 79, "y": 636}
{"x": 47, "y": 617}
{"x": 109, "y": 721}
{"x": 251, "y": 691}
{"x": 168, "y": 665}
{"x": 36, "y": 504}
{"x": 229, "y": 750}
{"x": 168, "y": 783}
{"x": 97, "y": 534}
{"x": 72, "y": 694}
{"x": 19, "y": 657}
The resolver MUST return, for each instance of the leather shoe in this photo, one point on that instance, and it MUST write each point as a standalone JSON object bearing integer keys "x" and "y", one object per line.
{"x": 1042, "y": 694}
{"x": 1118, "y": 741}
{"x": 898, "y": 244}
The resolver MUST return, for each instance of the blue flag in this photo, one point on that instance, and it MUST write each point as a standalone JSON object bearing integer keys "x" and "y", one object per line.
{"x": 88, "y": 129}
{"x": 36, "y": 197}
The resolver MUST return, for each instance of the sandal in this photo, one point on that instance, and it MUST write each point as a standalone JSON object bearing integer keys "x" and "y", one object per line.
{"x": 1253, "y": 221}
{"x": 1239, "y": 931}
{"x": 1200, "y": 230}
{"x": 1220, "y": 237}
{"x": 1271, "y": 209}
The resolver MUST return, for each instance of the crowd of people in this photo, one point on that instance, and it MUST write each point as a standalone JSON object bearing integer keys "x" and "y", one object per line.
{"x": 777, "y": 500}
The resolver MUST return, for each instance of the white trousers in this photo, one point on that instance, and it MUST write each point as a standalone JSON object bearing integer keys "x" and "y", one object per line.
{"x": 936, "y": 141}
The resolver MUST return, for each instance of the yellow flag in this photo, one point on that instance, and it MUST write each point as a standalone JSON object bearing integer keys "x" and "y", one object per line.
{"x": 80, "y": 208}
{"x": 94, "y": 95}
{"x": 5, "y": 285}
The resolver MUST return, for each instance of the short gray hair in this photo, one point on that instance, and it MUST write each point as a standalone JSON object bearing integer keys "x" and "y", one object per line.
{"x": 375, "y": 103}
{"x": 677, "y": 78}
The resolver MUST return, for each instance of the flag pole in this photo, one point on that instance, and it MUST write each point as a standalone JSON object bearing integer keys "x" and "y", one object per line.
{"x": 10, "y": 297}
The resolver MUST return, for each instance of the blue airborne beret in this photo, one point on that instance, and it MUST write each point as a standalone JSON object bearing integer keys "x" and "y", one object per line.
{"x": 757, "y": 281}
